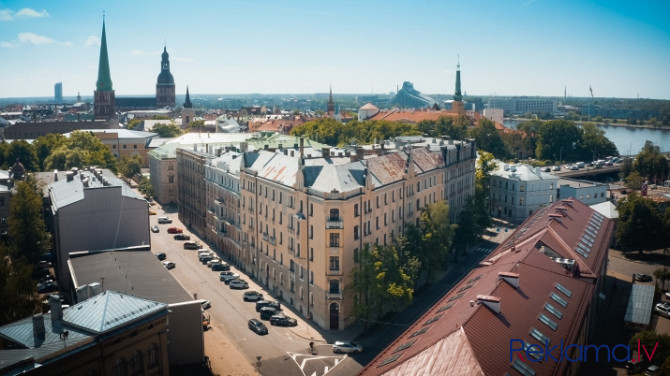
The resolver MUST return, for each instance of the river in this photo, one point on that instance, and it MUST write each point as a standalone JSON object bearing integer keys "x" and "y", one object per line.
{"x": 628, "y": 140}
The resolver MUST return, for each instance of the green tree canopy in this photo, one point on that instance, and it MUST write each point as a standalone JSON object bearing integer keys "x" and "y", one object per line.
{"x": 82, "y": 149}
{"x": 595, "y": 144}
{"x": 641, "y": 225}
{"x": 130, "y": 166}
{"x": 27, "y": 231}
{"x": 25, "y": 153}
{"x": 46, "y": 144}
{"x": 454, "y": 127}
{"x": 488, "y": 138}
{"x": 559, "y": 139}
{"x": 651, "y": 163}
{"x": 18, "y": 293}
{"x": 166, "y": 130}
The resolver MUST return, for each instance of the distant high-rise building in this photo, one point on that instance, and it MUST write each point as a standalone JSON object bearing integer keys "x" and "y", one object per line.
{"x": 58, "y": 92}
{"x": 165, "y": 91}
{"x": 104, "y": 101}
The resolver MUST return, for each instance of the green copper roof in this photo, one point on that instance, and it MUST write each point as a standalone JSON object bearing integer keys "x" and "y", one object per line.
{"x": 104, "y": 76}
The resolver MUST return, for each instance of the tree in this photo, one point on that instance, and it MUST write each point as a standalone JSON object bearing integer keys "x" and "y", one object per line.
{"x": 44, "y": 145}
{"x": 485, "y": 165}
{"x": 595, "y": 143}
{"x": 130, "y": 166}
{"x": 18, "y": 293}
{"x": 27, "y": 232}
{"x": 134, "y": 123}
{"x": 662, "y": 274}
{"x": 454, "y": 127}
{"x": 651, "y": 163}
{"x": 146, "y": 188}
{"x": 22, "y": 151}
{"x": 166, "y": 130}
{"x": 81, "y": 150}
{"x": 649, "y": 339}
{"x": 199, "y": 124}
{"x": 641, "y": 226}
{"x": 488, "y": 138}
{"x": 436, "y": 233}
{"x": 626, "y": 168}
{"x": 559, "y": 139}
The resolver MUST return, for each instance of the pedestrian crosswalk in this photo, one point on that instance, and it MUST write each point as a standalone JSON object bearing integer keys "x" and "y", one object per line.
{"x": 484, "y": 250}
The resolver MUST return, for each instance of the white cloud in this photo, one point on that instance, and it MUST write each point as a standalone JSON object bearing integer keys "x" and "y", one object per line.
{"x": 35, "y": 39}
{"x": 92, "y": 40}
{"x": 68, "y": 44}
{"x": 137, "y": 52}
{"x": 7, "y": 45}
{"x": 6, "y": 15}
{"x": 30, "y": 13}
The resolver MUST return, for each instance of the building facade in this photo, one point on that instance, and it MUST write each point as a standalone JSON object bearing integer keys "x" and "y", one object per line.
{"x": 519, "y": 190}
{"x": 163, "y": 173}
{"x": 191, "y": 193}
{"x": 125, "y": 143}
{"x": 588, "y": 192}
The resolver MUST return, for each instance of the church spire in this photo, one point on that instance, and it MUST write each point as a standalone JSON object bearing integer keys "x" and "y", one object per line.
{"x": 457, "y": 93}
{"x": 187, "y": 102}
{"x": 331, "y": 104}
{"x": 104, "y": 82}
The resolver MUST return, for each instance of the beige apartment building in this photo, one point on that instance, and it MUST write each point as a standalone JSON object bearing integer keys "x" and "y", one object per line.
{"x": 304, "y": 219}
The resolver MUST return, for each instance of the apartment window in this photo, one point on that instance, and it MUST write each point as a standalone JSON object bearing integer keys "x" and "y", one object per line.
{"x": 120, "y": 367}
{"x": 134, "y": 146}
{"x": 302, "y": 272}
{"x": 377, "y": 202}
{"x": 334, "y": 240}
{"x": 392, "y": 215}
{"x": 170, "y": 167}
{"x": 356, "y": 210}
{"x": 418, "y": 186}
{"x": 311, "y": 231}
{"x": 334, "y": 214}
{"x": 334, "y": 286}
{"x": 522, "y": 188}
{"x": 125, "y": 146}
{"x": 280, "y": 197}
{"x": 334, "y": 263}
{"x": 311, "y": 210}
{"x": 152, "y": 358}
{"x": 386, "y": 199}
{"x": 273, "y": 195}
{"x": 137, "y": 364}
{"x": 385, "y": 219}
{"x": 521, "y": 201}
{"x": 311, "y": 253}
{"x": 551, "y": 186}
{"x": 311, "y": 277}
{"x": 355, "y": 232}
{"x": 377, "y": 222}
{"x": 170, "y": 179}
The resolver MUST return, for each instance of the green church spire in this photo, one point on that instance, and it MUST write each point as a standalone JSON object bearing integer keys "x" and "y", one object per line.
{"x": 104, "y": 82}
{"x": 457, "y": 95}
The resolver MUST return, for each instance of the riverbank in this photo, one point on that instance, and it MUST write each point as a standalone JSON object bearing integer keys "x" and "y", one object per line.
{"x": 600, "y": 124}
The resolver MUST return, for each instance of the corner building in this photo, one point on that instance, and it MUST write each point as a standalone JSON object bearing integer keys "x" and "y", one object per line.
{"x": 303, "y": 219}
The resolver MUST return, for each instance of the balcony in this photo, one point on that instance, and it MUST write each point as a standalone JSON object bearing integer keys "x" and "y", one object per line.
{"x": 334, "y": 223}
{"x": 334, "y": 272}
{"x": 273, "y": 240}
{"x": 266, "y": 237}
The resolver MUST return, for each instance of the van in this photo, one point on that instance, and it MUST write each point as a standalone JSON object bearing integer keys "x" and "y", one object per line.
{"x": 164, "y": 220}
{"x": 267, "y": 312}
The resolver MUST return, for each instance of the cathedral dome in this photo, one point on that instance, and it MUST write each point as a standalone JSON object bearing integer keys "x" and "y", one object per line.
{"x": 165, "y": 77}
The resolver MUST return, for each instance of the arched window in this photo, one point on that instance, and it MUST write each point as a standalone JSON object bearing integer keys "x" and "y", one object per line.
{"x": 120, "y": 367}
{"x": 137, "y": 363}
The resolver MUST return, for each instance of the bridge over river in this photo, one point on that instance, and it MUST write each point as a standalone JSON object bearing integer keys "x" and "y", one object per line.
{"x": 587, "y": 171}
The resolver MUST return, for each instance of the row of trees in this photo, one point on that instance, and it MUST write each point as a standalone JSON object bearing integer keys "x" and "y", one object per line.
{"x": 642, "y": 226}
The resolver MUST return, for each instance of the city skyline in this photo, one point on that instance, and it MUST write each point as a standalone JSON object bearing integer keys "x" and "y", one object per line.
{"x": 531, "y": 47}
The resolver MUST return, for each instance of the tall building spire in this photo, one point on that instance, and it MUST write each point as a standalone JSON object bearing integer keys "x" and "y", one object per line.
{"x": 331, "y": 104}
{"x": 165, "y": 88}
{"x": 187, "y": 102}
{"x": 457, "y": 93}
{"x": 104, "y": 82}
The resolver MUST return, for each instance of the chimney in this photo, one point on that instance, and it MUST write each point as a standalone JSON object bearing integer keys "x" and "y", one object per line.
{"x": 511, "y": 278}
{"x": 56, "y": 308}
{"x": 325, "y": 152}
{"x": 281, "y": 146}
{"x": 493, "y": 302}
{"x": 302, "y": 146}
{"x": 55, "y": 175}
{"x": 538, "y": 171}
{"x": 38, "y": 327}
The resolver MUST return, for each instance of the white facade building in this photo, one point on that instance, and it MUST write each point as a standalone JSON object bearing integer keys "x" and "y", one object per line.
{"x": 588, "y": 192}
{"x": 519, "y": 190}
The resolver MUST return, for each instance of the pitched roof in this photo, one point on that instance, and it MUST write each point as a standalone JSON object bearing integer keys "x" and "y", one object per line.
{"x": 524, "y": 290}
{"x": 410, "y": 116}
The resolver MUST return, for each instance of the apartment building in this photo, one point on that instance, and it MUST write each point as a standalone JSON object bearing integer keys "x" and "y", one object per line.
{"x": 304, "y": 219}
{"x": 517, "y": 191}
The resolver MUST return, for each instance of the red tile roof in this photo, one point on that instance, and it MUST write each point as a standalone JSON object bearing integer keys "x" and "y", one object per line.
{"x": 411, "y": 116}
{"x": 461, "y": 335}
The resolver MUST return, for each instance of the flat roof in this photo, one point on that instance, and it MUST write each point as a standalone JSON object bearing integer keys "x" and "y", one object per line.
{"x": 135, "y": 272}
{"x": 640, "y": 304}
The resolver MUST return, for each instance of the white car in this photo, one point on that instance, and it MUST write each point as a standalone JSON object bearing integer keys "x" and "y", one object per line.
{"x": 663, "y": 309}
{"x": 162, "y": 220}
{"x": 205, "y": 304}
{"x": 169, "y": 264}
{"x": 347, "y": 347}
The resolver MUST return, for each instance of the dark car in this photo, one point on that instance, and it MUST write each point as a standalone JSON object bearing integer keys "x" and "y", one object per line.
{"x": 267, "y": 312}
{"x": 182, "y": 237}
{"x": 283, "y": 320}
{"x": 161, "y": 256}
{"x": 266, "y": 303}
{"x": 257, "y": 326}
{"x": 49, "y": 286}
{"x": 642, "y": 277}
{"x": 192, "y": 245}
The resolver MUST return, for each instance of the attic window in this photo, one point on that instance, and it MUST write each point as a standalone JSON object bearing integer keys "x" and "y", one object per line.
{"x": 464, "y": 288}
{"x": 391, "y": 360}
{"x": 564, "y": 290}
{"x": 455, "y": 297}
{"x": 559, "y": 300}
{"x": 404, "y": 346}
{"x": 550, "y": 323}
{"x": 419, "y": 332}
{"x": 474, "y": 279}
{"x": 539, "y": 336}
{"x": 446, "y": 307}
{"x": 553, "y": 310}
{"x": 533, "y": 353}
{"x": 432, "y": 320}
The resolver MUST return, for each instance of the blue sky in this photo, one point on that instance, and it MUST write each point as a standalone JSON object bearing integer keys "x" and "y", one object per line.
{"x": 511, "y": 47}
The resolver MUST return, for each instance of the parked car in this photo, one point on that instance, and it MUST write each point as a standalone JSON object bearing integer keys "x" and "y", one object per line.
{"x": 266, "y": 303}
{"x": 556, "y": 168}
{"x": 346, "y": 347}
{"x": 162, "y": 220}
{"x": 49, "y": 286}
{"x": 155, "y": 228}
{"x": 213, "y": 262}
{"x": 192, "y": 245}
{"x": 174, "y": 230}
{"x": 267, "y": 312}
{"x": 652, "y": 370}
{"x": 238, "y": 284}
{"x": 169, "y": 264}
{"x": 205, "y": 258}
{"x": 257, "y": 326}
{"x": 220, "y": 267}
{"x": 205, "y": 304}
{"x": 182, "y": 237}
{"x": 252, "y": 296}
{"x": 227, "y": 276}
{"x": 663, "y": 309}
{"x": 161, "y": 256}
{"x": 283, "y": 320}
{"x": 546, "y": 169}
{"x": 642, "y": 277}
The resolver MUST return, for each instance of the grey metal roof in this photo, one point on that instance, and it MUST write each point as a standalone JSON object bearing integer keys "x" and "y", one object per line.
{"x": 68, "y": 192}
{"x": 339, "y": 178}
{"x": 134, "y": 272}
{"x": 109, "y": 310}
{"x": 276, "y": 167}
{"x": 640, "y": 304}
